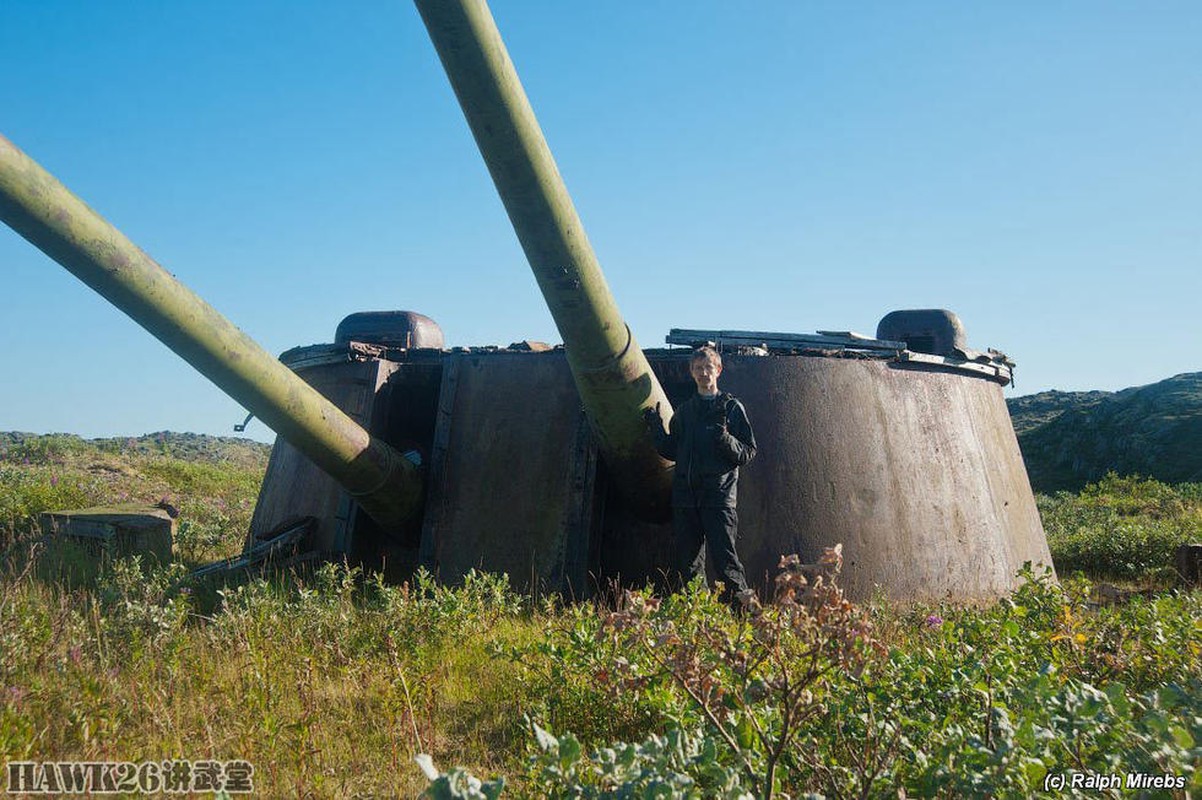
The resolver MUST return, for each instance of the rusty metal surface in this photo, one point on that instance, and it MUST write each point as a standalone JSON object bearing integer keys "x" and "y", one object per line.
{"x": 293, "y": 485}
{"x": 405, "y": 329}
{"x": 936, "y": 331}
{"x": 998, "y": 371}
{"x": 503, "y": 496}
{"x": 835, "y": 340}
{"x": 275, "y": 546}
{"x": 917, "y": 473}
{"x": 993, "y": 364}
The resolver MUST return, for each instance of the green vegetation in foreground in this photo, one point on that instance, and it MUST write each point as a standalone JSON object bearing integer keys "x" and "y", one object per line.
{"x": 332, "y": 683}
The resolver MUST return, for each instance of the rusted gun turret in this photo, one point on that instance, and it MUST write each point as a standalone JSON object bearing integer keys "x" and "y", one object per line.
{"x": 37, "y": 206}
{"x": 900, "y": 448}
{"x": 610, "y": 370}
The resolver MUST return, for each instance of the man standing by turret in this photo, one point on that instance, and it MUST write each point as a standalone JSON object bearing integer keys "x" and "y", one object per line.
{"x": 709, "y": 438}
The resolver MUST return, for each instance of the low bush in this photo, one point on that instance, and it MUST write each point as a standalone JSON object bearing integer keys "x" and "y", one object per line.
{"x": 950, "y": 702}
{"x": 1122, "y": 528}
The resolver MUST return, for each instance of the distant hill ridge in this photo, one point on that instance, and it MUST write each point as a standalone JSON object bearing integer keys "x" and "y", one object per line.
{"x": 1069, "y": 439}
{"x": 16, "y": 445}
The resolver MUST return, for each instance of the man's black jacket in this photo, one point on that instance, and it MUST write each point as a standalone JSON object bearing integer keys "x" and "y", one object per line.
{"x": 709, "y": 439}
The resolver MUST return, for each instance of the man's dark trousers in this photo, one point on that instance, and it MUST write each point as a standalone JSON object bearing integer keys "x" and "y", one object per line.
{"x": 698, "y": 528}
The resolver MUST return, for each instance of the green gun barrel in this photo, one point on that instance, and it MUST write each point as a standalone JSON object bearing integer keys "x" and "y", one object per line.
{"x": 611, "y": 373}
{"x": 37, "y": 206}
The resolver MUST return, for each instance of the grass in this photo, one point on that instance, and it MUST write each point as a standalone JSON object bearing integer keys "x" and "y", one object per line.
{"x": 330, "y": 682}
{"x": 329, "y": 689}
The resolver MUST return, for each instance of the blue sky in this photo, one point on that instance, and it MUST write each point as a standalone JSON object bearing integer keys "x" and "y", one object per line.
{"x": 786, "y": 166}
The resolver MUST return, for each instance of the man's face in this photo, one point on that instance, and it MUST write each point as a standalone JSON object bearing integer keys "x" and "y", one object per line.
{"x": 705, "y": 375}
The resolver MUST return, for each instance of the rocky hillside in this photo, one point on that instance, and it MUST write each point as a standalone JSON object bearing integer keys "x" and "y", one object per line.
{"x": 1069, "y": 439}
{"x": 1033, "y": 410}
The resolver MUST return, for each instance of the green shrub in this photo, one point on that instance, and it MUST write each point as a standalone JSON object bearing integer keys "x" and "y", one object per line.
{"x": 1122, "y": 528}
{"x": 27, "y": 491}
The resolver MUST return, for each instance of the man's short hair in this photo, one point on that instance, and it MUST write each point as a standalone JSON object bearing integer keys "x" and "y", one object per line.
{"x": 707, "y": 354}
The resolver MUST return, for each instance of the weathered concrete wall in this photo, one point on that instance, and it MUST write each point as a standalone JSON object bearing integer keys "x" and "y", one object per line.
{"x": 916, "y": 472}
{"x": 125, "y": 530}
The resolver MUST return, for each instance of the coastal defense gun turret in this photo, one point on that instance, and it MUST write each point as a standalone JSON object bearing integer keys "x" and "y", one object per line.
{"x": 898, "y": 446}
{"x": 887, "y": 489}
{"x": 533, "y": 460}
